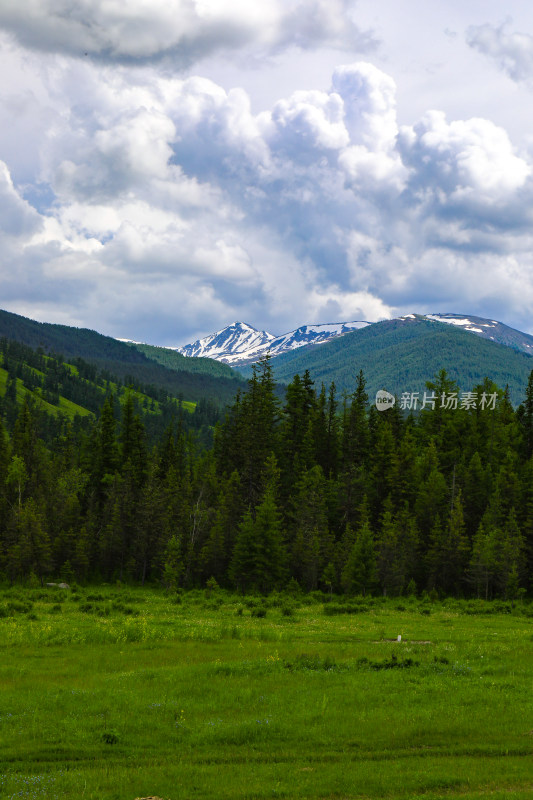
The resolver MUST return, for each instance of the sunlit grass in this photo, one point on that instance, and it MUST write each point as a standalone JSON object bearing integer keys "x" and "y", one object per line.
{"x": 122, "y": 693}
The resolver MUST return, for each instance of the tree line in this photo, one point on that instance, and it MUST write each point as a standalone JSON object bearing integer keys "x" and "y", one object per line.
{"x": 314, "y": 488}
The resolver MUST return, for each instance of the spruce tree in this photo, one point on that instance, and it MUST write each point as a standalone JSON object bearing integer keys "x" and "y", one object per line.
{"x": 359, "y": 572}
{"x": 312, "y": 544}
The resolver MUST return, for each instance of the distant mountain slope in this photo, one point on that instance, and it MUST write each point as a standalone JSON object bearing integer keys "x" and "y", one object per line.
{"x": 400, "y": 355}
{"x": 172, "y": 359}
{"x": 240, "y": 343}
{"x": 487, "y": 329}
{"x": 119, "y": 359}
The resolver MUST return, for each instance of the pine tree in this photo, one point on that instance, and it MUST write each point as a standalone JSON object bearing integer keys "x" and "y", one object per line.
{"x": 356, "y": 434}
{"x": 509, "y": 557}
{"x": 27, "y": 444}
{"x": 385, "y": 466}
{"x": 483, "y": 560}
{"x": 133, "y": 444}
{"x": 271, "y": 567}
{"x": 359, "y": 573}
{"x": 431, "y": 502}
{"x": 173, "y": 564}
{"x": 216, "y": 553}
{"x": 242, "y": 570}
{"x": 525, "y": 418}
{"x": 476, "y": 493}
{"x": 405, "y": 471}
{"x": 104, "y": 455}
{"x": 250, "y": 433}
{"x": 390, "y": 563}
{"x": 259, "y": 558}
{"x": 32, "y": 552}
{"x": 448, "y": 552}
{"x": 312, "y": 546}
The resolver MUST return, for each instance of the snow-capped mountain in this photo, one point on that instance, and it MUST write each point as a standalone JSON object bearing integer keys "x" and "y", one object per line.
{"x": 234, "y": 344}
{"x": 242, "y": 344}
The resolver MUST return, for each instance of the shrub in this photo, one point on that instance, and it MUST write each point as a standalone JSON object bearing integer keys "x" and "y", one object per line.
{"x": 330, "y": 609}
{"x": 306, "y": 662}
{"x": 389, "y": 663}
{"x": 15, "y": 607}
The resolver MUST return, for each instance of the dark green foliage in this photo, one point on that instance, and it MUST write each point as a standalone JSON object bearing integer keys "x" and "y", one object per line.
{"x": 388, "y": 663}
{"x": 333, "y": 609}
{"x": 176, "y": 361}
{"x": 301, "y": 495}
{"x": 116, "y": 358}
{"x": 399, "y": 355}
{"x": 312, "y": 663}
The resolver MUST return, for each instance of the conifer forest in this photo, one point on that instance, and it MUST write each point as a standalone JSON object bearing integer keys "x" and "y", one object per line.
{"x": 290, "y": 485}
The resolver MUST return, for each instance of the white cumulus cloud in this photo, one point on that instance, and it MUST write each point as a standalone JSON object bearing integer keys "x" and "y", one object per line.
{"x": 162, "y": 206}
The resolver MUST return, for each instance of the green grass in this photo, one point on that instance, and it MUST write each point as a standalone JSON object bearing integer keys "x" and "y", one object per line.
{"x": 116, "y": 693}
{"x": 66, "y": 407}
{"x": 70, "y": 409}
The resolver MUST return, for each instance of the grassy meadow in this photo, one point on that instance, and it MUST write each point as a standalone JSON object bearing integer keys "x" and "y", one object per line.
{"x": 114, "y": 693}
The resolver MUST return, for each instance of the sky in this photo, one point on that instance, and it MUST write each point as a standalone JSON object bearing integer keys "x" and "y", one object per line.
{"x": 169, "y": 167}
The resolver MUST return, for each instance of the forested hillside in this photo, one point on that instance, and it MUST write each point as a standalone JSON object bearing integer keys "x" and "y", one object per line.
{"x": 400, "y": 354}
{"x": 118, "y": 359}
{"x": 316, "y": 491}
{"x": 180, "y": 363}
{"x": 61, "y": 393}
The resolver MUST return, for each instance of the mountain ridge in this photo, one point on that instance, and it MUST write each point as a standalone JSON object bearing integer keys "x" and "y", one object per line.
{"x": 400, "y": 355}
{"x": 240, "y": 344}
{"x": 121, "y": 360}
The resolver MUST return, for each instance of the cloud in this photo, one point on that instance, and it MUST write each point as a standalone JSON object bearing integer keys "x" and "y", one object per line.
{"x": 512, "y": 52}
{"x": 181, "y": 32}
{"x": 169, "y": 208}
{"x": 463, "y": 168}
{"x": 17, "y": 218}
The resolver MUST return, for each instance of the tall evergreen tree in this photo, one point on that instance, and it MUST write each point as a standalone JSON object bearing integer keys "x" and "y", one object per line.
{"x": 312, "y": 543}
{"x": 359, "y": 572}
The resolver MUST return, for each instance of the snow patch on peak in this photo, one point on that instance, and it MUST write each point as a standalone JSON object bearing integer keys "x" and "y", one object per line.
{"x": 449, "y": 320}
{"x": 488, "y": 329}
{"x": 313, "y": 334}
{"x": 240, "y": 343}
{"x": 229, "y": 344}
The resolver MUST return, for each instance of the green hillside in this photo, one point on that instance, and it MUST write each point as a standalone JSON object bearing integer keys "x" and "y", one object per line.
{"x": 117, "y": 358}
{"x": 180, "y": 363}
{"x": 58, "y": 388}
{"x": 60, "y": 392}
{"x": 61, "y": 405}
{"x": 401, "y": 355}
